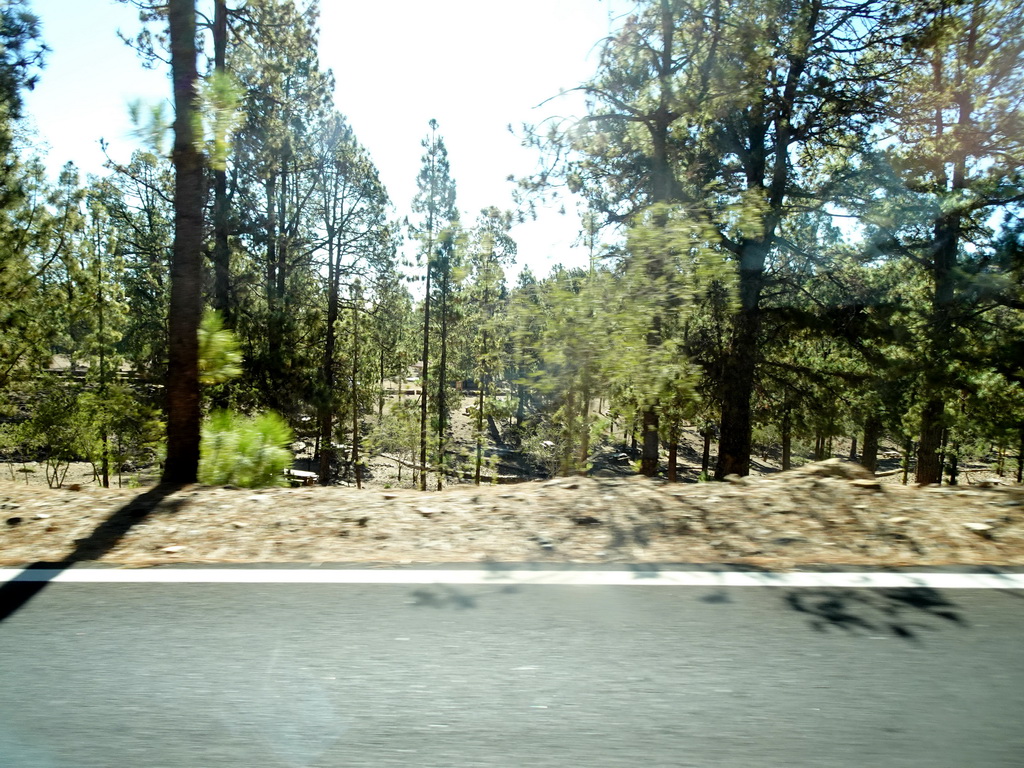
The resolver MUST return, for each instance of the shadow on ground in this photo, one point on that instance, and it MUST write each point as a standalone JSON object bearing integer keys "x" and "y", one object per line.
{"x": 904, "y": 612}
{"x": 16, "y": 593}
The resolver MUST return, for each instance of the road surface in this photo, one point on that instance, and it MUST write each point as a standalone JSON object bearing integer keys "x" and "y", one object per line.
{"x": 506, "y": 672}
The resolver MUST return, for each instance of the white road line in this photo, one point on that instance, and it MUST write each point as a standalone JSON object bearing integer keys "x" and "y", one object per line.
{"x": 523, "y": 577}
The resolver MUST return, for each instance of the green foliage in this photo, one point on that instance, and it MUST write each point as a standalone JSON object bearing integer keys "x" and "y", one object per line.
{"x": 120, "y": 427}
{"x": 250, "y": 452}
{"x": 220, "y": 355}
{"x": 56, "y": 429}
{"x": 397, "y": 431}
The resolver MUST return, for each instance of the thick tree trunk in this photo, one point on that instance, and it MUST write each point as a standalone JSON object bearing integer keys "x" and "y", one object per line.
{"x": 651, "y": 444}
{"x": 872, "y": 433}
{"x": 929, "y": 468}
{"x": 737, "y": 388}
{"x": 186, "y": 301}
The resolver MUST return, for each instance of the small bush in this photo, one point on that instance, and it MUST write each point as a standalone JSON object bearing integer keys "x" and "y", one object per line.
{"x": 245, "y": 451}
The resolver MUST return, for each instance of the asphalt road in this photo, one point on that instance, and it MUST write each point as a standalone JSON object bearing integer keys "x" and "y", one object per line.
{"x": 270, "y": 676}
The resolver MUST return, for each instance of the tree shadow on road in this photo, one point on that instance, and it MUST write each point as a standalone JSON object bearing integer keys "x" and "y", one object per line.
{"x": 900, "y": 612}
{"x": 16, "y": 593}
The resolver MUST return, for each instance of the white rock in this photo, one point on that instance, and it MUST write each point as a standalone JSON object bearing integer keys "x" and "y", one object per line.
{"x": 982, "y": 529}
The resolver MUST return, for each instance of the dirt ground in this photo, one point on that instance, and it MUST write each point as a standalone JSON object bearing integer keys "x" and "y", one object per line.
{"x": 829, "y": 513}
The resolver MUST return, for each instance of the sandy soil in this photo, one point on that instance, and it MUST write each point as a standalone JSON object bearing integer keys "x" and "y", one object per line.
{"x": 827, "y": 513}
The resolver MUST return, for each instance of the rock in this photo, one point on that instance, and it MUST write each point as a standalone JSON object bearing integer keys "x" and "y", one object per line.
{"x": 586, "y": 520}
{"x": 362, "y": 521}
{"x": 14, "y": 521}
{"x": 42, "y": 516}
{"x": 426, "y": 511}
{"x": 982, "y": 529}
{"x": 73, "y": 487}
{"x": 240, "y": 525}
{"x": 835, "y": 468}
{"x": 791, "y": 539}
{"x": 390, "y": 496}
{"x": 897, "y": 520}
{"x": 866, "y": 484}
{"x": 173, "y": 549}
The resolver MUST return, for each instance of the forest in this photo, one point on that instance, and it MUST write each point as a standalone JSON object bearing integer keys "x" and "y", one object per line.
{"x": 803, "y": 219}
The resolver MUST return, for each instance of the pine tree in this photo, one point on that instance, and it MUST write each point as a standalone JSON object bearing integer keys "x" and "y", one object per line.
{"x": 435, "y": 203}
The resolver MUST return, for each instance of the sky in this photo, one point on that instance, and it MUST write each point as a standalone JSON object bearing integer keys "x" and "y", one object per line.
{"x": 475, "y": 66}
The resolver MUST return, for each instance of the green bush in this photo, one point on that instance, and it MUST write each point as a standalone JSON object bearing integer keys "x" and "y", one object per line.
{"x": 249, "y": 452}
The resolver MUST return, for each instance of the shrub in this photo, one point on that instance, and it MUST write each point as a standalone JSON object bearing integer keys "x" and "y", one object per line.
{"x": 249, "y": 452}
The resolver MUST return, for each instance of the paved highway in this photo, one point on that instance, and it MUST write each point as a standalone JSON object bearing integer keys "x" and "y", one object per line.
{"x": 152, "y": 675}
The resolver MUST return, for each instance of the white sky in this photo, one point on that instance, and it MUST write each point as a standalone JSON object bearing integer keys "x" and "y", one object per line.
{"x": 473, "y": 65}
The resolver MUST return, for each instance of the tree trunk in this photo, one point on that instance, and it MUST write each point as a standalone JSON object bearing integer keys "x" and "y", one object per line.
{"x": 1020, "y": 457}
{"x": 853, "y": 448}
{"x": 953, "y": 458}
{"x": 380, "y": 396}
{"x": 673, "y": 451}
{"x": 872, "y": 432}
{"x": 356, "y": 299}
{"x": 327, "y": 406}
{"x": 568, "y": 433}
{"x": 424, "y": 380}
{"x": 221, "y": 250}
{"x": 908, "y": 449}
{"x": 929, "y": 470}
{"x": 787, "y": 440}
{"x": 947, "y": 233}
{"x": 479, "y": 426}
{"x": 584, "y": 454}
{"x": 705, "y": 462}
{"x": 651, "y": 444}
{"x": 942, "y": 452}
{"x": 186, "y": 305}
{"x": 270, "y": 188}
{"x": 737, "y": 388}
{"x": 442, "y": 379}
